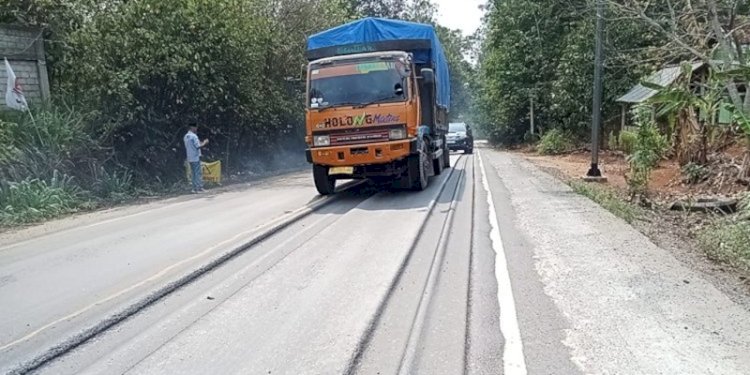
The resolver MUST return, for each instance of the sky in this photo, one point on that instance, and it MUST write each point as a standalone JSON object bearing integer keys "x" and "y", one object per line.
{"x": 460, "y": 14}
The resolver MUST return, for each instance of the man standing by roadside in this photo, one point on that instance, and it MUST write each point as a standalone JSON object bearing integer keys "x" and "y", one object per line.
{"x": 193, "y": 150}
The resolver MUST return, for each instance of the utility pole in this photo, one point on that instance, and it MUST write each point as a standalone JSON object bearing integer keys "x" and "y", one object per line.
{"x": 531, "y": 108}
{"x": 596, "y": 117}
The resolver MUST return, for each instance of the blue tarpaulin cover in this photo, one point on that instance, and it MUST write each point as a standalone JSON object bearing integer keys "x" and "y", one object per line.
{"x": 359, "y": 33}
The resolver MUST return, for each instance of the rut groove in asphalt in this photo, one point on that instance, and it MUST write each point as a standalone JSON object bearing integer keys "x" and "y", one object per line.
{"x": 258, "y": 235}
{"x": 90, "y": 348}
{"x": 397, "y": 337}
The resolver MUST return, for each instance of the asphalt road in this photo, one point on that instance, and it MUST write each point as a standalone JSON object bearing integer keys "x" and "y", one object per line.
{"x": 496, "y": 268}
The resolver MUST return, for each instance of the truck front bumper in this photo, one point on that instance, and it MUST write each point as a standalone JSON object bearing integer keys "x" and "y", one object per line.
{"x": 368, "y": 160}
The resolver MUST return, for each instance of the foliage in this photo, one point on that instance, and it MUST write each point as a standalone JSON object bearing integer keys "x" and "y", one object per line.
{"x": 612, "y": 141}
{"x": 55, "y": 140}
{"x": 742, "y": 120}
{"x": 6, "y": 138}
{"x": 33, "y": 199}
{"x": 692, "y": 107}
{"x": 553, "y": 142}
{"x": 626, "y": 141}
{"x": 456, "y": 47}
{"x": 650, "y": 147}
{"x": 694, "y": 173}
{"x": 545, "y": 49}
{"x": 134, "y": 73}
{"x": 704, "y": 31}
{"x": 114, "y": 186}
{"x": 728, "y": 239}
{"x": 609, "y": 200}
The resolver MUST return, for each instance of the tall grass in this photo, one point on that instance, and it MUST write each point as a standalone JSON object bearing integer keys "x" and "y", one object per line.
{"x": 55, "y": 139}
{"x": 728, "y": 239}
{"x": 115, "y": 186}
{"x": 33, "y": 199}
{"x": 50, "y": 165}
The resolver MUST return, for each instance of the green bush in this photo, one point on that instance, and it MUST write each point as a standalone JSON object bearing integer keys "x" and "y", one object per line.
{"x": 115, "y": 186}
{"x": 694, "y": 173}
{"x": 32, "y": 200}
{"x": 650, "y": 147}
{"x": 626, "y": 141}
{"x": 553, "y": 142}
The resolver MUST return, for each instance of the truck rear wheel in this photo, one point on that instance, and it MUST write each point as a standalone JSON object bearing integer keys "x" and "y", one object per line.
{"x": 446, "y": 155}
{"x": 437, "y": 165}
{"x": 441, "y": 162}
{"x": 325, "y": 184}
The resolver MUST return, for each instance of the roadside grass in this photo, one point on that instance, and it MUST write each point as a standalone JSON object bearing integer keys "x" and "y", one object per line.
{"x": 608, "y": 199}
{"x": 728, "y": 239}
{"x": 728, "y": 242}
{"x": 31, "y": 200}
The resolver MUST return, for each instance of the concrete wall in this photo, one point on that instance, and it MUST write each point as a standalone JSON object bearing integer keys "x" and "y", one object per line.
{"x": 24, "y": 49}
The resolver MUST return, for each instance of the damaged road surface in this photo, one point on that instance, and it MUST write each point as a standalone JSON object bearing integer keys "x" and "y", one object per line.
{"x": 495, "y": 268}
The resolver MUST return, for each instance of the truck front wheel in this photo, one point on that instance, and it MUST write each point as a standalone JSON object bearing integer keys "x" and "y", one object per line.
{"x": 418, "y": 168}
{"x": 325, "y": 184}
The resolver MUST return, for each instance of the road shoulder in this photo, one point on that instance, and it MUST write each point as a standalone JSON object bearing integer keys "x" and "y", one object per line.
{"x": 629, "y": 305}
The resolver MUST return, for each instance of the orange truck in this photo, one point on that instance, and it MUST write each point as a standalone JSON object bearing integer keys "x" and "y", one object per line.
{"x": 378, "y": 96}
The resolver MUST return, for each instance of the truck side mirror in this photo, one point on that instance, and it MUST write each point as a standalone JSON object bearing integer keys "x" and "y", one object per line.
{"x": 399, "y": 90}
{"x": 428, "y": 75}
{"x": 303, "y": 73}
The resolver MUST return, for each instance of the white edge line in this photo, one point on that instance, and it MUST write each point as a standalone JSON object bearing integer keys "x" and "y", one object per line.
{"x": 513, "y": 357}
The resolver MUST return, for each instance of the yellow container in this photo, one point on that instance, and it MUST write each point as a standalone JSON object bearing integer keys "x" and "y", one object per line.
{"x": 211, "y": 171}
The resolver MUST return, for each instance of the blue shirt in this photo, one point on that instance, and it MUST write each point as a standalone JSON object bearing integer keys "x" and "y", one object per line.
{"x": 192, "y": 147}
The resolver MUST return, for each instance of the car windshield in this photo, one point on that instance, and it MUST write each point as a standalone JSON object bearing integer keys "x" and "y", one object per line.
{"x": 457, "y": 127}
{"x": 357, "y": 83}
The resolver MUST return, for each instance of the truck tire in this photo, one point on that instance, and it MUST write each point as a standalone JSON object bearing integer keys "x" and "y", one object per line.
{"x": 442, "y": 162}
{"x": 325, "y": 184}
{"x": 469, "y": 150}
{"x": 446, "y": 155}
{"x": 418, "y": 168}
{"x": 437, "y": 165}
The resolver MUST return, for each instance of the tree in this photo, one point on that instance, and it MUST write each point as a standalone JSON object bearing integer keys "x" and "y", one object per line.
{"x": 705, "y": 30}
{"x": 379, "y": 8}
{"x": 150, "y": 66}
{"x": 546, "y": 51}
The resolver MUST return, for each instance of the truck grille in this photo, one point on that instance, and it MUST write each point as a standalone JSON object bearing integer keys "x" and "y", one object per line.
{"x": 359, "y": 137}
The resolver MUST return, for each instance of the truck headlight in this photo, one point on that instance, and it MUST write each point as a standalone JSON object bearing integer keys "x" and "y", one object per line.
{"x": 321, "y": 140}
{"x": 397, "y": 133}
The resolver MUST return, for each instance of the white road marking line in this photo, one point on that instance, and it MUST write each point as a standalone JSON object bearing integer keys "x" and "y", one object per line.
{"x": 513, "y": 358}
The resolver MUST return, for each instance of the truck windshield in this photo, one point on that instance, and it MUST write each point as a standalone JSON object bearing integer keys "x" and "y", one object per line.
{"x": 357, "y": 83}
